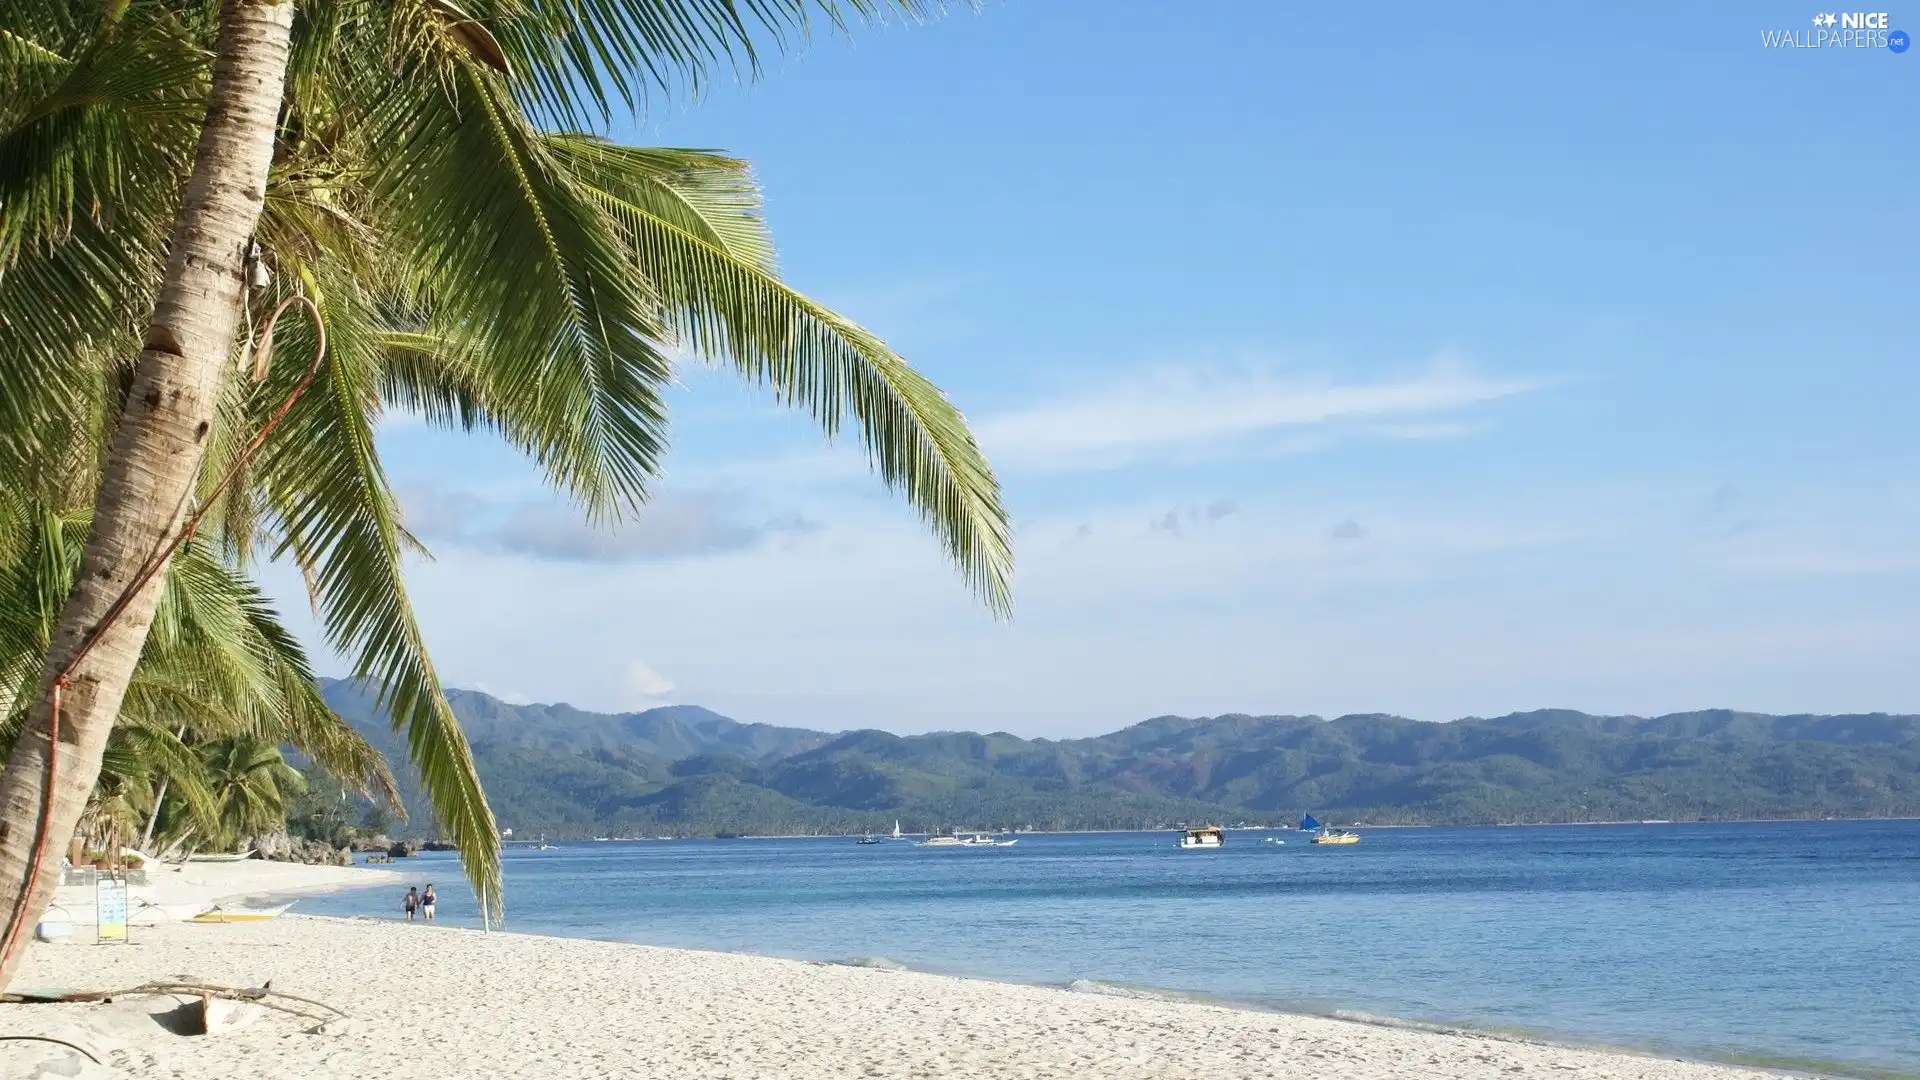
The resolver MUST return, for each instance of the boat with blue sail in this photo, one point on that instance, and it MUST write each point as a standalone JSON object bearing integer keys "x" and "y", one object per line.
{"x": 1324, "y": 835}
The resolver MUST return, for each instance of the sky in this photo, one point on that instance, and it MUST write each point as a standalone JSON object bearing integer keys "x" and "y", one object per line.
{"x": 1440, "y": 360}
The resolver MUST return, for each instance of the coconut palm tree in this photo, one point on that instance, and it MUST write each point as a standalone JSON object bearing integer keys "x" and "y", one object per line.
{"x": 416, "y": 171}
{"x": 252, "y": 786}
{"x": 217, "y": 668}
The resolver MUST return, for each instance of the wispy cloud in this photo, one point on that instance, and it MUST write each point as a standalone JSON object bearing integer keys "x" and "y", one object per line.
{"x": 649, "y": 685}
{"x": 1186, "y": 411}
{"x": 674, "y": 525}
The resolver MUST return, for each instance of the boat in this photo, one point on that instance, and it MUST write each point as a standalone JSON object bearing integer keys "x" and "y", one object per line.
{"x": 1206, "y": 836}
{"x": 220, "y": 913}
{"x": 220, "y": 857}
{"x": 983, "y": 840}
{"x": 896, "y": 828}
{"x": 1324, "y": 835}
{"x": 1271, "y": 840}
{"x": 868, "y": 840}
{"x": 977, "y": 840}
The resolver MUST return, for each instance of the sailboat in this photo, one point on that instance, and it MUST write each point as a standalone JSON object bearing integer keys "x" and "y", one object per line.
{"x": 896, "y": 828}
{"x": 1324, "y": 835}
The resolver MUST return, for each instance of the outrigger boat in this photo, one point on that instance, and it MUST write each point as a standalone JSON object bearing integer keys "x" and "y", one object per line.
{"x": 222, "y": 914}
{"x": 215, "y": 856}
{"x": 976, "y": 840}
{"x": 1324, "y": 835}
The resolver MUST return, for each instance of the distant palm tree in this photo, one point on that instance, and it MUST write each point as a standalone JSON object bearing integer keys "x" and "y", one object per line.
{"x": 217, "y": 666}
{"x": 251, "y": 786}
{"x": 474, "y": 259}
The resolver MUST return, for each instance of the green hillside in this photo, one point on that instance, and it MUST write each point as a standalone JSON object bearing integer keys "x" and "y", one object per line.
{"x": 682, "y": 770}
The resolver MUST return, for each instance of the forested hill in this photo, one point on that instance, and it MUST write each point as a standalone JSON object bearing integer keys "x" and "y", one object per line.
{"x": 684, "y": 770}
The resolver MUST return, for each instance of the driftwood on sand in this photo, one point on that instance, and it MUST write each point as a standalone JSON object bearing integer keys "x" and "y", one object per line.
{"x": 215, "y": 1019}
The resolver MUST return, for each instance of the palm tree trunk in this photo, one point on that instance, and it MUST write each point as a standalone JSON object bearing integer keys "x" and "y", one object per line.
{"x": 158, "y": 445}
{"x": 159, "y": 800}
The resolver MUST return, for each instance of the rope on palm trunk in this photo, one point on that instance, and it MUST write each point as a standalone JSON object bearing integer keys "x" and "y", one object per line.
{"x": 262, "y": 353}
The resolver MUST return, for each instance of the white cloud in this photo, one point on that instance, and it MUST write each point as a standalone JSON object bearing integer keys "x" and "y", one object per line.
{"x": 511, "y": 697}
{"x": 1184, "y": 410}
{"x": 648, "y": 683}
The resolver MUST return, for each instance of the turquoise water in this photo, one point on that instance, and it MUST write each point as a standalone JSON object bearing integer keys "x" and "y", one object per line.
{"x": 1789, "y": 943}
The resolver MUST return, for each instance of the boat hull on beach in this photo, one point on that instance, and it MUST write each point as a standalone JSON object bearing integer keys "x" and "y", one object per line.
{"x": 222, "y": 913}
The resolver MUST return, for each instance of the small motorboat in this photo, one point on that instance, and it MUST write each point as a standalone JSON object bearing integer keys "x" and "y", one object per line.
{"x": 868, "y": 840}
{"x": 1271, "y": 840}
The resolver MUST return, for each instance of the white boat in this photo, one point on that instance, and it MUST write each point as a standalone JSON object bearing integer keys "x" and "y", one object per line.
{"x": 896, "y": 828}
{"x": 941, "y": 841}
{"x": 219, "y": 857}
{"x": 1207, "y": 836}
{"x": 146, "y": 913}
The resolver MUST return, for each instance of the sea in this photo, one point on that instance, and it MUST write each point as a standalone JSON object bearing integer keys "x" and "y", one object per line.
{"x": 1787, "y": 944}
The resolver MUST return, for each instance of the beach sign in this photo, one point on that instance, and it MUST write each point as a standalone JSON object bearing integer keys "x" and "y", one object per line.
{"x": 110, "y": 904}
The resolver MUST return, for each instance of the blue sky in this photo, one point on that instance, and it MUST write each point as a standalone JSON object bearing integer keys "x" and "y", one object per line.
{"x": 1434, "y": 359}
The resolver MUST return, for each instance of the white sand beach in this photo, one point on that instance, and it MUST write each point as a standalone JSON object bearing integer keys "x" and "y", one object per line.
{"x": 176, "y": 891}
{"x": 449, "y": 1003}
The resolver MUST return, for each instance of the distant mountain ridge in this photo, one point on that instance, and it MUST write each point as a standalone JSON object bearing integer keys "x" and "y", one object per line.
{"x": 686, "y": 770}
{"x": 670, "y": 731}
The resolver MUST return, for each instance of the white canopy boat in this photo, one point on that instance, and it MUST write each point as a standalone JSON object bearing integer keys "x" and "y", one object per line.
{"x": 1210, "y": 837}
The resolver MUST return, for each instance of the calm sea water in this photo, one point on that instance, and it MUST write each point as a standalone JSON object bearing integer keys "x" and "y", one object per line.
{"x": 1789, "y": 943}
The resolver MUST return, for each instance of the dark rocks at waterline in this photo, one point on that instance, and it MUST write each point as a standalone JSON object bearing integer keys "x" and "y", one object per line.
{"x": 282, "y": 848}
{"x": 403, "y": 849}
{"x": 438, "y": 845}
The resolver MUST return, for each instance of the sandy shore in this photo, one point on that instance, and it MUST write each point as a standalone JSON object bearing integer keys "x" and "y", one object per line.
{"x": 441, "y": 1003}
{"x": 178, "y": 891}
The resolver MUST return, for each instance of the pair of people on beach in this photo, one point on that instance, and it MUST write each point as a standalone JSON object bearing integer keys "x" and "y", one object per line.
{"x": 422, "y": 902}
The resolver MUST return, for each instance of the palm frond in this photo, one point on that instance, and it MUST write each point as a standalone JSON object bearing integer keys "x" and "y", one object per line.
{"x": 321, "y": 479}
{"x": 570, "y": 335}
{"x": 731, "y": 308}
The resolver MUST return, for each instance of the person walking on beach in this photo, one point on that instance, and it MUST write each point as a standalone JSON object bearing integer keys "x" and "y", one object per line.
{"x": 427, "y": 900}
{"x": 410, "y": 902}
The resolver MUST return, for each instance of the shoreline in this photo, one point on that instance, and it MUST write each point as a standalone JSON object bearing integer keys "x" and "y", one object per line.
{"x": 1522, "y": 1036}
{"x": 539, "y": 1007}
{"x": 176, "y": 891}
